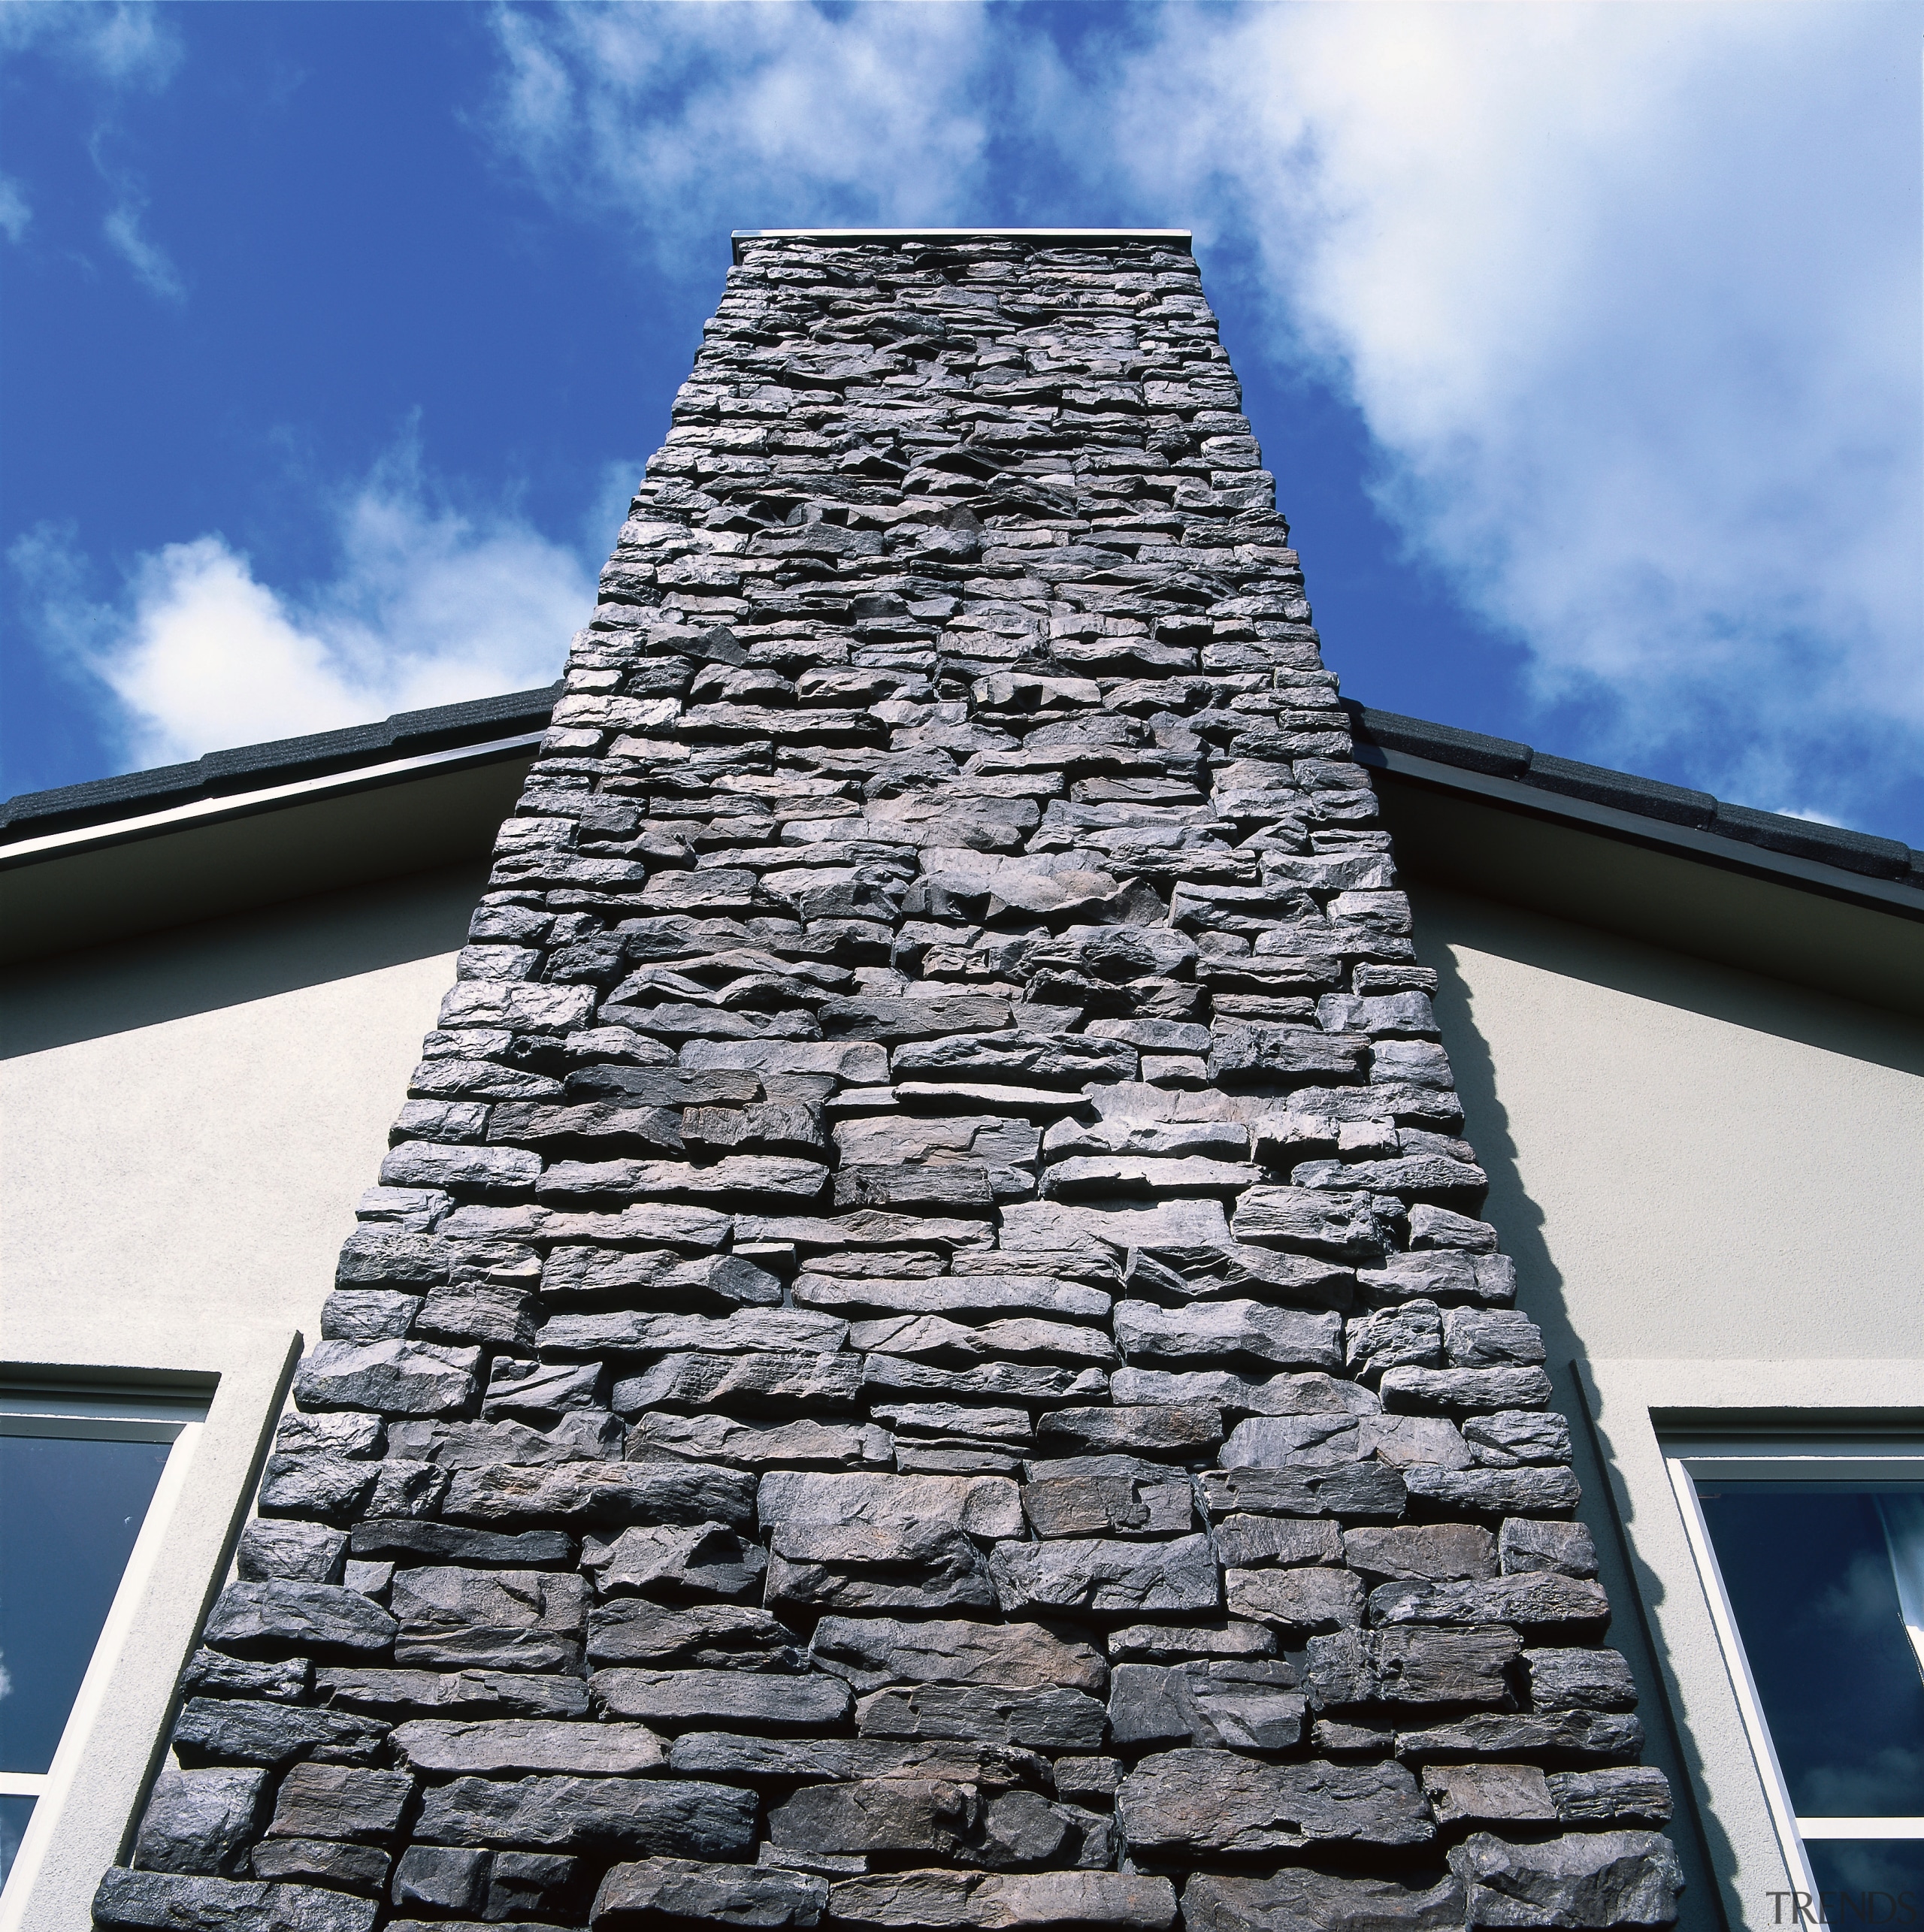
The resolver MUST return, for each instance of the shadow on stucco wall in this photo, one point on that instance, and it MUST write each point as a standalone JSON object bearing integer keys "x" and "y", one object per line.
{"x": 1709, "y": 1864}
{"x": 103, "y": 991}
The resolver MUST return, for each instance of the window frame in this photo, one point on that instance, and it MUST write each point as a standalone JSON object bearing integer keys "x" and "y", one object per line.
{"x": 96, "y": 1414}
{"x": 1638, "y": 1411}
{"x": 1815, "y": 1456}
{"x": 108, "y": 1755}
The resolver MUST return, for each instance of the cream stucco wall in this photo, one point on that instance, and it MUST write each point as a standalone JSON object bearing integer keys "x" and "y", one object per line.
{"x": 1713, "y": 1184}
{"x": 1686, "y": 1160}
{"x": 189, "y": 1120}
{"x": 186, "y": 1122}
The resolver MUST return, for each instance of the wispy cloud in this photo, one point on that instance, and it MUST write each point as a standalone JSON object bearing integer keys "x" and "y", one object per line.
{"x": 15, "y": 212}
{"x": 678, "y": 122}
{"x": 126, "y": 45}
{"x": 429, "y": 605}
{"x": 152, "y": 266}
{"x": 1627, "y": 297}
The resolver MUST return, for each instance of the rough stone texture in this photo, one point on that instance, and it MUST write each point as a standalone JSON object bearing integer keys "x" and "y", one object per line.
{"x": 655, "y": 1892}
{"x": 929, "y": 1237}
{"x": 1595, "y": 1879}
{"x": 202, "y": 1820}
{"x": 1312, "y": 1901}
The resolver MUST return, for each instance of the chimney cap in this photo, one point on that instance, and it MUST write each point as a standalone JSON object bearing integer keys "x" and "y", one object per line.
{"x": 1179, "y": 238}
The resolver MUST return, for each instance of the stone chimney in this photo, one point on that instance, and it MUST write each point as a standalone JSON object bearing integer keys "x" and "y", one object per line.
{"x": 924, "y": 1355}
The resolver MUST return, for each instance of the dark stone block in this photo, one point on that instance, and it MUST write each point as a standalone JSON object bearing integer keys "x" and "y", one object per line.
{"x": 228, "y": 1730}
{"x": 161, "y": 1902}
{"x": 200, "y": 1821}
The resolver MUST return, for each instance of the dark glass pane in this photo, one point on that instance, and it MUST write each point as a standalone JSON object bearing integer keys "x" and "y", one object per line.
{"x": 14, "y": 1812}
{"x": 1809, "y": 1577}
{"x": 1867, "y": 1881}
{"x": 69, "y": 1512}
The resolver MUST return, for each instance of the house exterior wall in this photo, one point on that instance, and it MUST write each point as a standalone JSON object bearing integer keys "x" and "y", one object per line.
{"x": 1645, "y": 1118}
{"x": 205, "y": 1106}
{"x": 1698, "y": 1257}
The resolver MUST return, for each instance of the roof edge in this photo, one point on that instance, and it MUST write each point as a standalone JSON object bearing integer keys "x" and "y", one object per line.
{"x": 252, "y": 768}
{"x": 1618, "y": 802}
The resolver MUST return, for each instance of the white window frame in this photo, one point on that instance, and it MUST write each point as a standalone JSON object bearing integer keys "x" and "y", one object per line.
{"x": 1815, "y": 1456}
{"x": 97, "y": 1415}
{"x": 1639, "y": 1411}
{"x": 234, "y": 1383}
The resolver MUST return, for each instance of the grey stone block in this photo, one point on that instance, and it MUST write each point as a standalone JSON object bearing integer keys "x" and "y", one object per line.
{"x": 441, "y": 1878}
{"x": 164, "y": 1901}
{"x": 929, "y": 1901}
{"x": 1634, "y": 1794}
{"x": 1300, "y": 1901}
{"x": 471, "y": 1693}
{"x": 1247, "y": 1707}
{"x": 597, "y": 1495}
{"x": 1105, "y": 1578}
{"x": 1597, "y": 1880}
{"x": 674, "y": 1700}
{"x": 785, "y": 1761}
{"x": 1227, "y": 1333}
{"x": 656, "y": 1892}
{"x": 1444, "y": 1552}
{"x": 1540, "y": 1599}
{"x": 1201, "y": 1803}
{"x": 336, "y": 1801}
{"x": 644, "y": 1815}
{"x": 390, "y": 1377}
{"x": 1411, "y": 1666}
{"x": 211, "y": 1673}
{"x": 870, "y": 1652}
{"x": 1117, "y": 1495}
{"x": 1488, "y": 1794}
{"x": 318, "y": 1619}
{"x": 1524, "y": 1546}
{"x": 1297, "y": 1602}
{"x": 635, "y": 1629}
{"x": 677, "y": 1564}
{"x": 1572, "y": 1679}
{"x": 1555, "y": 1736}
{"x": 232, "y": 1731}
{"x": 323, "y": 1861}
{"x": 1037, "y": 1720}
{"x": 489, "y": 1620}
{"x": 405, "y": 1537}
{"x": 492, "y": 1747}
{"x": 200, "y": 1821}
{"x": 1179, "y": 1430}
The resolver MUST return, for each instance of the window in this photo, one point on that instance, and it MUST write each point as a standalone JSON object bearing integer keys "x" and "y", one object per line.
{"x": 87, "y": 1480}
{"x": 1811, "y": 1550}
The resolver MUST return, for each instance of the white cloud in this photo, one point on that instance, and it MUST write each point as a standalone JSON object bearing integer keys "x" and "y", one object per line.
{"x": 127, "y": 46}
{"x": 427, "y": 606}
{"x": 15, "y": 210}
{"x": 682, "y": 122}
{"x": 152, "y": 268}
{"x": 1627, "y": 296}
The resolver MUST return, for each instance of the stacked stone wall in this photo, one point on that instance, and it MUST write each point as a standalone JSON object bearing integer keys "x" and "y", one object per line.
{"x": 924, "y": 1355}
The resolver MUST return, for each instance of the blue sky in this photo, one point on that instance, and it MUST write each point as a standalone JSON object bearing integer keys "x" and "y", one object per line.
{"x": 1583, "y": 342}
